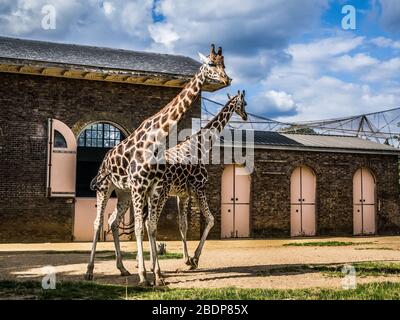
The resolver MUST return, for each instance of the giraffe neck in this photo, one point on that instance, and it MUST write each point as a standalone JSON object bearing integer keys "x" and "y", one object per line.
{"x": 173, "y": 112}
{"x": 214, "y": 127}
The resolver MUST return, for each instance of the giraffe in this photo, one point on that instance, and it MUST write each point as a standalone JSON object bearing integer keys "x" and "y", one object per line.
{"x": 185, "y": 174}
{"x": 131, "y": 166}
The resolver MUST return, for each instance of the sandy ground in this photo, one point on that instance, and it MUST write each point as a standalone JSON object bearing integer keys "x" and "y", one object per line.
{"x": 224, "y": 263}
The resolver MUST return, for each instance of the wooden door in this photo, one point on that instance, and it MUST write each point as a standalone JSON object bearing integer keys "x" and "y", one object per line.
{"x": 235, "y": 202}
{"x": 364, "y": 204}
{"x": 302, "y": 202}
{"x": 61, "y": 160}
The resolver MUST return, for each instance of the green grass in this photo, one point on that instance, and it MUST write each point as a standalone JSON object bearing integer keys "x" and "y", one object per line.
{"x": 363, "y": 269}
{"x": 324, "y": 244}
{"x": 92, "y": 290}
{"x": 110, "y": 255}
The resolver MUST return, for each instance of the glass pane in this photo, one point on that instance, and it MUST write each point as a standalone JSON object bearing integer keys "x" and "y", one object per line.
{"x": 81, "y": 141}
{"x": 88, "y": 133}
{"x": 106, "y": 127}
{"x": 117, "y": 135}
{"x": 59, "y": 140}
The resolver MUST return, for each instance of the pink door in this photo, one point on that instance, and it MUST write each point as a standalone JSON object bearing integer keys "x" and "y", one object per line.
{"x": 235, "y": 202}
{"x": 302, "y": 197}
{"x": 227, "y": 188}
{"x": 242, "y": 219}
{"x": 61, "y": 160}
{"x": 227, "y": 221}
{"x": 85, "y": 214}
{"x": 364, "y": 217}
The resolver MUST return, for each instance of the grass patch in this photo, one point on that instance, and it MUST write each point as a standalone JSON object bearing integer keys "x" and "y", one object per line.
{"x": 92, "y": 290}
{"x": 324, "y": 244}
{"x": 363, "y": 269}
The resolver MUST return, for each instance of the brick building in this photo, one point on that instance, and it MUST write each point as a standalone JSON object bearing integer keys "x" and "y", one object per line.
{"x": 82, "y": 100}
{"x": 63, "y": 106}
{"x": 308, "y": 185}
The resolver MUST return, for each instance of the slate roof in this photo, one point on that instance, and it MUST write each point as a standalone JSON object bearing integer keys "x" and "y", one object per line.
{"x": 72, "y": 54}
{"x": 273, "y": 140}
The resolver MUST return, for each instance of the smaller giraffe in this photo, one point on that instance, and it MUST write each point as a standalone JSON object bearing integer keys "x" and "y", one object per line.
{"x": 186, "y": 175}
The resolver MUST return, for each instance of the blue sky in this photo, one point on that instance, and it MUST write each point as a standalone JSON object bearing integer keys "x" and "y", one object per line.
{"x": 293, "y": 57}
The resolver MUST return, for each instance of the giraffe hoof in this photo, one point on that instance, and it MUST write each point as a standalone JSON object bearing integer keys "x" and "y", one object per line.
{"x": 125, "y": 273}
{"x": 89, "y": 276}
{"x": 159, "y": 282}
{"x": 144, "y": 283}
{"x": 194, "y": 263}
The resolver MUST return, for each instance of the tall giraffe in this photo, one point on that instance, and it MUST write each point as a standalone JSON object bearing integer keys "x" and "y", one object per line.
{"x": 131, "y": 167}
{"x": 186, "y": 174}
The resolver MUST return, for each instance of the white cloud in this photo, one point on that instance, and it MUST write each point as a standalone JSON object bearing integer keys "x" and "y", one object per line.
{"x": 385, "y": 71}
{"x": 108, "y": 8}
{"x": 385, "y": 42}
{"x": 163, "y": 33}
{"x": 353, "y": 63}
{"x": 317, "y": 95}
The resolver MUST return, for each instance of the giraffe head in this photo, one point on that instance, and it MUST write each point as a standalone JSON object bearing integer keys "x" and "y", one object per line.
{"x": 214, "y": 67}
{"x": 239, "y": 104}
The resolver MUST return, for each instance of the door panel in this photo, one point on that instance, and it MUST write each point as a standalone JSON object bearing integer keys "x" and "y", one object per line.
{"x": 357, "y": 219}
{"x": 295, "y": 220}
{"x": 295, "y": 193}
{"x": 308, "y": 220}
{"x": 61, "y": 160}
{"x": 307, "y": 185}
{"x": 226, "y": 220}
{"x": 242, "y": 185}
{"x": 242, "y": 218}
{"x": 357, "y": 197}
{"x": 369, "y": 219}
{"x": 368, "y": 187}
{"x": 85, "y": 214}
{"x": 227, "y": 185}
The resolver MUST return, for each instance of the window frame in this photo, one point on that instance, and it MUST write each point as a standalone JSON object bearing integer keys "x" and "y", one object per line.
{"x": 100, "y": 135}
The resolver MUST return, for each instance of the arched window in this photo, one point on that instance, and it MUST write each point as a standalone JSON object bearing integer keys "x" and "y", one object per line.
{"x": 100, "y": 135}
{"x": 59, "y": 140}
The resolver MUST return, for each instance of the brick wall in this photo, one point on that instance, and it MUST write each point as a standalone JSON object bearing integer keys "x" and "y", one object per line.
{"x": 270, "y": 191}
{"x": 25, "y": 103}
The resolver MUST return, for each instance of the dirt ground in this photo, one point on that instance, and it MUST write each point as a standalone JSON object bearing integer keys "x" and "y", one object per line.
{"x": 224, "y": 263}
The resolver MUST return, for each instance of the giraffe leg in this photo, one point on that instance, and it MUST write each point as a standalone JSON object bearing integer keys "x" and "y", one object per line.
{"x": 205, "y": 210}
{"x": 102, "y": 198}
{"x": 183, "y": 202}
{"x": 157, "y": 200}
{"x": 138, "y": 199}
{"x": 114, "y": 221}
